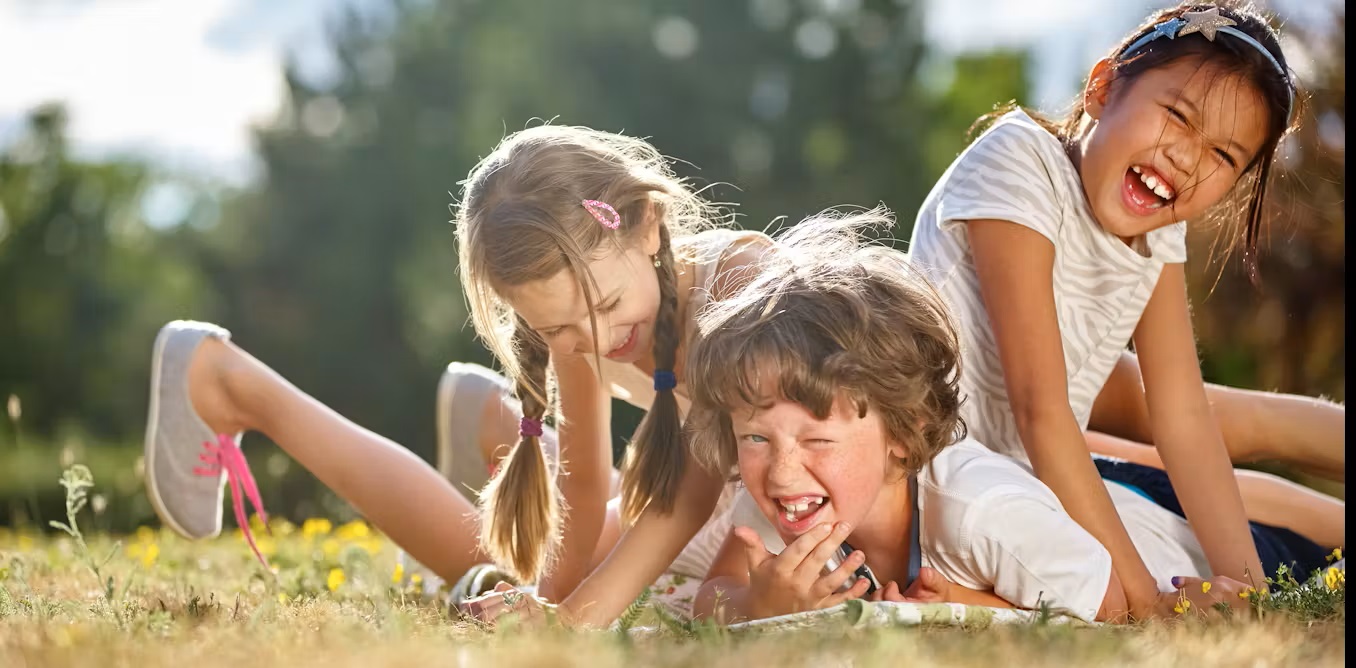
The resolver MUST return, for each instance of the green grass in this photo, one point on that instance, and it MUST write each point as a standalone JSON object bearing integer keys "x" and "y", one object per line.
{"x": 149, "y": 598}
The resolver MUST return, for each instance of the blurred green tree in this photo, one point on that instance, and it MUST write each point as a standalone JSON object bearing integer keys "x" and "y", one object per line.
{"x": 340, "y": 269}
{"x": 84, "y": 282}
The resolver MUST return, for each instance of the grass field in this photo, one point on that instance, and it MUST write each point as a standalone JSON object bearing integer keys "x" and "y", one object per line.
{"x": 152, "y": 599}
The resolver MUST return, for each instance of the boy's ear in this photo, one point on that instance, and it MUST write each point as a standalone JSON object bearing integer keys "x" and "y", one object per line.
{"x": 897, "y": 450}
{"x": 1098, "y": 88}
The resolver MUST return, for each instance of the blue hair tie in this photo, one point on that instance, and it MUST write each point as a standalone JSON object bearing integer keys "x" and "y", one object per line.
{"x": 664, "y": 380}
{"x": 1207, "y": 23}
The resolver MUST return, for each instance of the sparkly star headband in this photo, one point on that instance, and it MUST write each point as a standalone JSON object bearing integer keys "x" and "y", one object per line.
{"x": 1208, "y": 23}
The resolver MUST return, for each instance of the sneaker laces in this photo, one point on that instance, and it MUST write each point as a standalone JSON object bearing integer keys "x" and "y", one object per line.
{"x": 225, "y": 455}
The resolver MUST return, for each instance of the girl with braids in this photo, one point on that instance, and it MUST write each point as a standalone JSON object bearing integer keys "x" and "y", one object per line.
{"x": 1057, "y": 244}
{"x": 583, "y": 259}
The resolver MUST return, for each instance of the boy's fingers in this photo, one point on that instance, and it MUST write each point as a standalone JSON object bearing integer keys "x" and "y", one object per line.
{"x": 813, "y": 564}
{"x": 858, "y": 589}
{"x": 890, "y": 592}
{"x": 830, "y": 582}
{"x": 804, "y": 544}
{"x": 754, "y": 551}
{"x": 928, "y": 587}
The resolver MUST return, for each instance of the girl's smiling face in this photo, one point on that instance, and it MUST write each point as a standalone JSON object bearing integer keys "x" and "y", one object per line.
{"x": 803, "y": 471}
{"x": 1166, "y": 145}
{"x": 624, "y": 306}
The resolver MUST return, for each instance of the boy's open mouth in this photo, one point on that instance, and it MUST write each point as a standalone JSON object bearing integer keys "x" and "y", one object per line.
{"x": 799, "y": 513}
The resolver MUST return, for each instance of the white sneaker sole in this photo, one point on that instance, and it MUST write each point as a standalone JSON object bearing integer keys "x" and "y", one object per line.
{"x": 152, "y": 424}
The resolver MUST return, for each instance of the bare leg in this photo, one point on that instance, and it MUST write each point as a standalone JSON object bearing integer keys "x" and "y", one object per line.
{"x": 1273, "y": 500}
{"x": 1305, "y": 432}
{"x": 1267, "y": 498}
{"x": 392, "y": 487}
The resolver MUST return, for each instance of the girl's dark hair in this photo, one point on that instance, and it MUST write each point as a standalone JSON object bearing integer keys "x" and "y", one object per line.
{"x": 1235, "y": 57}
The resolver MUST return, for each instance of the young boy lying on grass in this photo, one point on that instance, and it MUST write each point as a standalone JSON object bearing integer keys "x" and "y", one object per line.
{"x": 829, "y": 385}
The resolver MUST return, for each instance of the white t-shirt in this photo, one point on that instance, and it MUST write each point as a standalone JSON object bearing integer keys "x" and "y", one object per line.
{"x": 986, "y": 522}
{"x": 1017, "y": 171}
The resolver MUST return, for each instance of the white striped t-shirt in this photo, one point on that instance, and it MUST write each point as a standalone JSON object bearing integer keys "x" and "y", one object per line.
{"x": 1017, "y": 171}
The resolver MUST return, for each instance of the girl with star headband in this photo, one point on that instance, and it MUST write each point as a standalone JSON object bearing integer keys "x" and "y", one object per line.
{"x": 1059, "y": 243}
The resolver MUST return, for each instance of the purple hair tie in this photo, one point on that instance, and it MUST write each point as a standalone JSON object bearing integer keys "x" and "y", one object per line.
{"x": 664, "y": 380}
{"x": 529, "y": 427}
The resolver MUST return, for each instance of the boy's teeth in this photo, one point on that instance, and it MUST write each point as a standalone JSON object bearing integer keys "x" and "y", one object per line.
{"x": 1162, "y": 191}
{"x": 801, "y": 506}
{"x": 1150, "y": 181}
{"x": 1134, "y": 168}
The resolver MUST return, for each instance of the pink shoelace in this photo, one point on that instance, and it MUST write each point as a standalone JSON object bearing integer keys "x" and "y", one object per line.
{"x": 225, "y": 455}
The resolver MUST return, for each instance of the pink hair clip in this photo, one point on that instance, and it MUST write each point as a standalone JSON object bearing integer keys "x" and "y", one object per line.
{"x": 600, "y": 211}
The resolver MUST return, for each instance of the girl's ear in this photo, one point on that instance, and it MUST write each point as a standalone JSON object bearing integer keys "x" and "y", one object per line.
{"x": 654, "y": 216}
{"x": 1098, "y": 89}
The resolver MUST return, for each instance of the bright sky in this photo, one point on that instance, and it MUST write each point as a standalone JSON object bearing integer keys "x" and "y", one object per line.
{"x": 180, "y": 81}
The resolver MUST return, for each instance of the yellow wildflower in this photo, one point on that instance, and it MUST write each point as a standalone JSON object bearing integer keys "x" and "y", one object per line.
{"x": 146, "y": 553}
{"x": 1182, "y": 606}
{"x": 330, "y": 547}
{"x": 145, "y": 534}
{"x": 371, "y": 545}
{"x": 355, "y": 530}
{"x": 335, "y": 579}
{"x": 1336, "y": 554}
{"x": 316, "y": 526}
{"x": 1205, "y": 587}
{"x": 1334, "y": 577}
{"x": 267, "y": 546}
{"x": 416, "y": 580}
{"x": 398, "y": 574}
{"x": 1247, "y": 593}
{"x": 152, "y": 553}
{"x": 281, "y": 527}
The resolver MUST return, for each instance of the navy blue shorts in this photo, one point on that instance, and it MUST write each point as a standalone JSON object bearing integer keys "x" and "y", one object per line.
{"x": 1275, "y": 545}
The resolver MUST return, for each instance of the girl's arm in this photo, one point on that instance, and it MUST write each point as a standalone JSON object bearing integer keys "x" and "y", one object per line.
{"x": 1189, "y": 599}
{"x": 586, "y": 459}
{"x": 643, "y": 552}
{"x": 1186, "y": 434}
{"x": 1015, "y": 268}
{"x": 606, "y": 593}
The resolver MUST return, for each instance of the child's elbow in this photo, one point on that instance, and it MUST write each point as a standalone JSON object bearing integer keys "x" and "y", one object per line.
{"x": 711, "y": 597}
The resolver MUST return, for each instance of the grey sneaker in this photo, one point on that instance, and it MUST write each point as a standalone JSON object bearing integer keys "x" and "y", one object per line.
{"x": 462, "y": 393}
{"x": 186, "y": 499}
{"x": 479, "y": 579}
